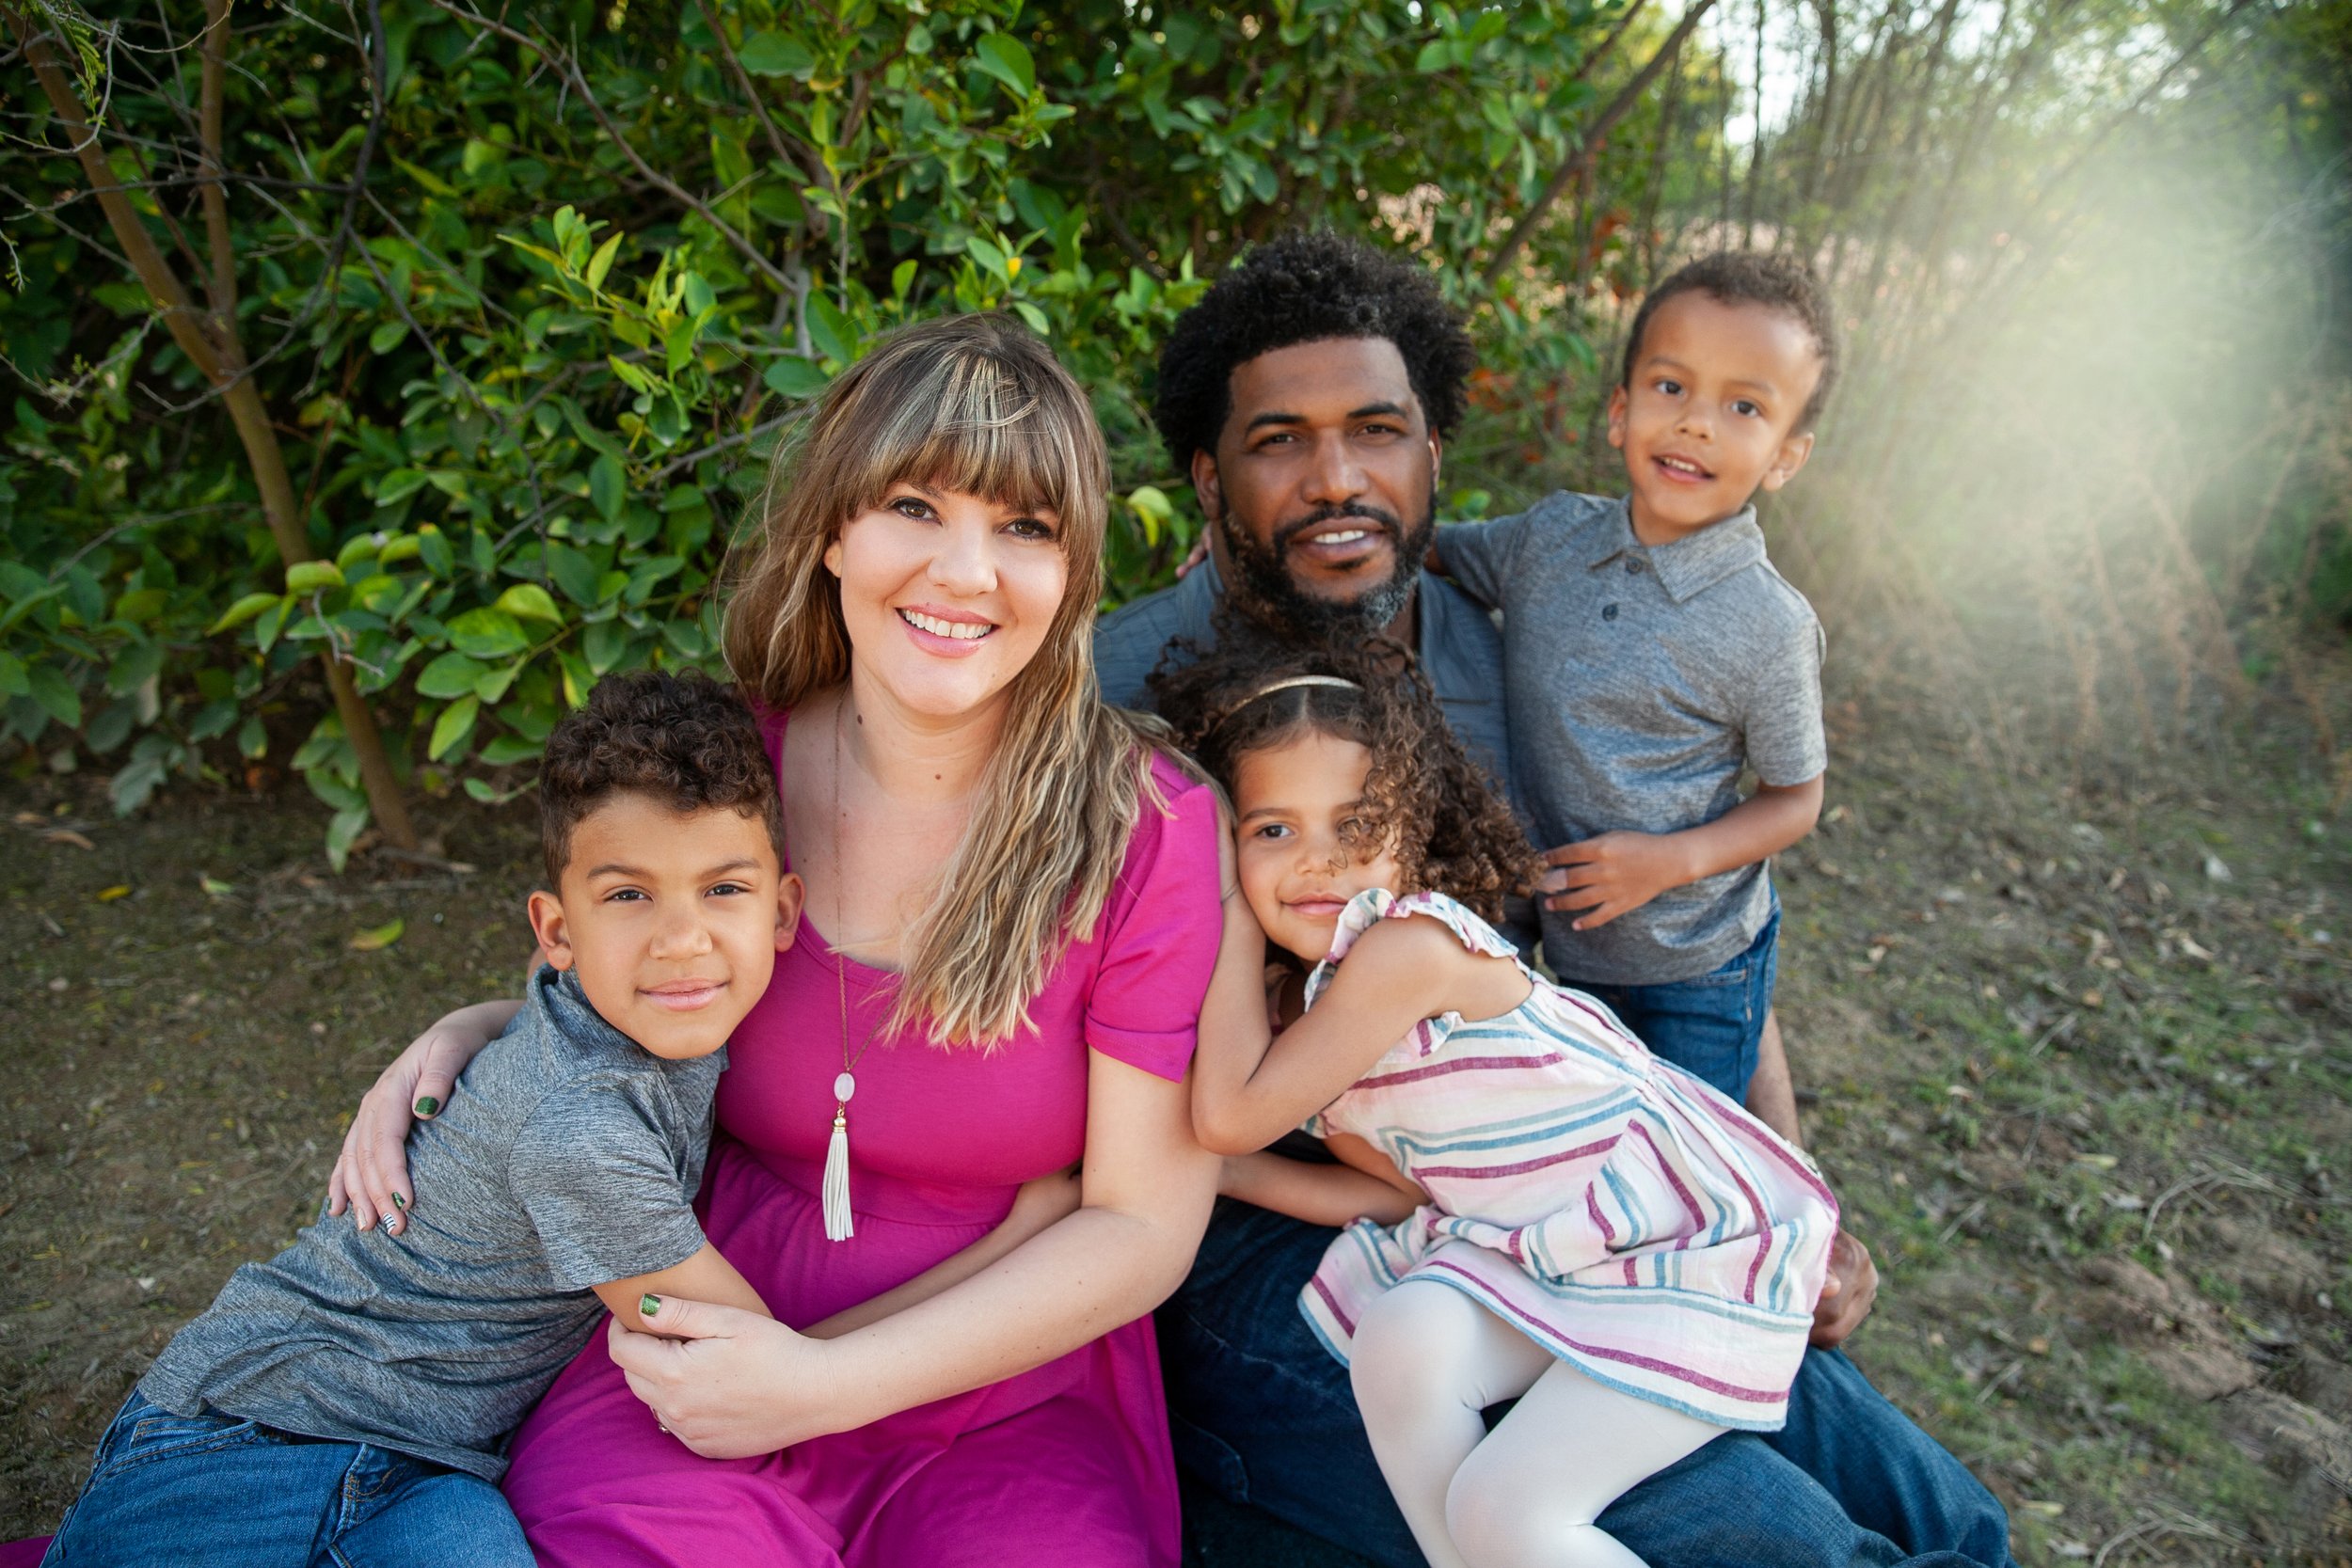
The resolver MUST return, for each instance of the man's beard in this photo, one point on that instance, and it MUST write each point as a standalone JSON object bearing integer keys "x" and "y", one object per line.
{"x": 1263, "y": 588}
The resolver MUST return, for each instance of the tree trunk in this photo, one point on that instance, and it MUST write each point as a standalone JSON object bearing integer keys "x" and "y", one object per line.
{"x": 210, "y": 341}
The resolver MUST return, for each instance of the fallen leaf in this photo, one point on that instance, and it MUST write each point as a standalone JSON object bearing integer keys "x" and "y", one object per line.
{"x": 67, "y": 836}
{"x": 214, "y": 885}
{"x": 2216, "y": 869}
{"x": 109, "y": 894}
{"x": 380, "y": 938}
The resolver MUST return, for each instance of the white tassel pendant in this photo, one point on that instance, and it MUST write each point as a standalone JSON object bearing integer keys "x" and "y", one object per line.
{"x": 839, "y": 1225}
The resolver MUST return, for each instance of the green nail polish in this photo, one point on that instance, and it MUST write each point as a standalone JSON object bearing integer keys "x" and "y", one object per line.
{"x": 399, "y": 1201}
{"x": 426, "y": 1105}
{"x": 649, "y": 1305}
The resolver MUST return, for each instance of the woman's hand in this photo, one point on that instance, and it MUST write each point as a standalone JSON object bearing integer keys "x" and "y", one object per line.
{"x": 730, "y": 1383}
{"x": 371, "y": 1176}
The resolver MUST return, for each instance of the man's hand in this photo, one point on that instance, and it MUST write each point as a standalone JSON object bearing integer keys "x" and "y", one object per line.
{"x": 1847, "y": 1293}
{"x": 1605, "y": 876}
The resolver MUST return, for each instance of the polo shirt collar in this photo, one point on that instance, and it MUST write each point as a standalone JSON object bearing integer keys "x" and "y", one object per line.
{"x": 1691, "y": 565}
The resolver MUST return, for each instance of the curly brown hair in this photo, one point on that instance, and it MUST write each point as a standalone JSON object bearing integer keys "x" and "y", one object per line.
{"x": 1439, "y": 813}
{"x": 683, "y": 740}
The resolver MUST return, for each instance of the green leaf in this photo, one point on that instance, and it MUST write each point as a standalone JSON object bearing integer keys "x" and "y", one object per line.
{"x": 531, "y": 602}
{"x": 1007, "y": 58}
{"x": 378, "y": 938}
{"x": 488, "y": 633}
{"x": 452, "y": 675}
{"x": 573, "y": 571}
{"x": 434, "y": 546}
{"x": 602, "y": 645}
{"x": 252, "y": 738}
{"x": 451, "y": 728}
{"x": 12, "y": 681}
{"x": 55, "y": 694}
{"x": 835, "y": 335}
{"x": 138, "y": 664}
{"x": 791, "y": 377}
{"x": 901, "y": 279}
{"x": 607, "y": 485}
{"x": 386, "y": 337}
{"x": 312, "y": 577}
{"x": 242, "y": 611}
{"x": 602, "y": 262}
{"x": 774, "y": 53}
{"x": 343, "y": 832}
{"x": 509, "y": 749}
{"x": 141, "y": 605}
{"x": 991, "y": 257}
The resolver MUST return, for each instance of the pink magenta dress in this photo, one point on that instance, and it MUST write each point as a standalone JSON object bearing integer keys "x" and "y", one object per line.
{"x": 1068, "y": 1463}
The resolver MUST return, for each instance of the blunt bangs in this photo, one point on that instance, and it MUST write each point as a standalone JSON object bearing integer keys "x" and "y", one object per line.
{"x": 972, "y": 421}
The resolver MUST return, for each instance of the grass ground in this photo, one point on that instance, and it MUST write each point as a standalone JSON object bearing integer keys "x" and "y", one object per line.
{"x": 2077, "y": 1054}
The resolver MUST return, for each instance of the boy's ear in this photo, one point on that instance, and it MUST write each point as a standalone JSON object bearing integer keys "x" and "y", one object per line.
{"x": 1616, "y": 415}
{"x": 547, "y": 923}
{"x": 1793, "y": 452}
{"x": 790, "y": 892}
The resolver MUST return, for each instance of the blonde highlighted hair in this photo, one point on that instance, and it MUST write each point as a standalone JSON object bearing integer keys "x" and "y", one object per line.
{"x": 977, "y": 404}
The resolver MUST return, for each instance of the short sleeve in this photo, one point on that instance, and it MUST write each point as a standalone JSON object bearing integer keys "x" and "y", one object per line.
{"x": 1783, "y": 720}
{"x": 1481, "y": 557}
{"x": 1161, "y": 931}
{"x": 599, "y": 1178}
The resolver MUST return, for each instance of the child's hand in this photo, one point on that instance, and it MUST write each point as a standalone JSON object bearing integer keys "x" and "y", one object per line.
{"x": 1605, "y": 876}
{"x": 1045, "y": 1200}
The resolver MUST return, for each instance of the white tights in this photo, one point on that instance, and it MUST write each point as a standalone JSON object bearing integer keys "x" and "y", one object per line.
{"x": 1426, "y": 1360}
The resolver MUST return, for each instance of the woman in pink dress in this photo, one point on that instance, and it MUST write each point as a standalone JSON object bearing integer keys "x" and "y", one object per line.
{"x": 1013, "y": 917}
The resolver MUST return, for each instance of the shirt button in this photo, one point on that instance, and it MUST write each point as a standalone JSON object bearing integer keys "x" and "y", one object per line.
{"x": 1634, "y": 564}
{"x": 1608, "y": 613}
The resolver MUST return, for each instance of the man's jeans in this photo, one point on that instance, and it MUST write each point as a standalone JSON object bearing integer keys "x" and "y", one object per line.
{"x": 196, "y": 1491}
{"x": 1263, "y": 1414}
{"x": 1709, "y": 1027}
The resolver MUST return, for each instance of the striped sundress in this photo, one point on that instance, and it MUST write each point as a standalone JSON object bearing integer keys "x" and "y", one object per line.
{"x": 1624, "y": 1215}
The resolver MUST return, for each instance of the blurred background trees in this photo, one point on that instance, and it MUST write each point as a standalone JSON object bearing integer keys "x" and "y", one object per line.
{"x": 383, "y": 372}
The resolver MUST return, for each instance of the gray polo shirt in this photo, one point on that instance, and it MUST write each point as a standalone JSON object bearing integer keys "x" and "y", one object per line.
{"x": 1640, "y": 680}
{"x": 1460, "y": 654}
{"x": 567, "y": 1158}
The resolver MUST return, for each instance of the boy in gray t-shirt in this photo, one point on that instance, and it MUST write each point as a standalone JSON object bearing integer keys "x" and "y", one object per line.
{"x": 1651, "y": 654}
{"x": 349, "y": 1399}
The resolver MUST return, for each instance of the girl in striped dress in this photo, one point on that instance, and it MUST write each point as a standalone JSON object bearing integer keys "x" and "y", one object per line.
{"x": 1541, "y": 1209}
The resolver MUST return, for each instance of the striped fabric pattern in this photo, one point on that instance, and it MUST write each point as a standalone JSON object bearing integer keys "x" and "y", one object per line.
{"x": 1624, "y": 1215}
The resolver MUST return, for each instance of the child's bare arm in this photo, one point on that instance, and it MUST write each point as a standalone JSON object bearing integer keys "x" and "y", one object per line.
{"x": 1039, "y": 1203}
{"x": 705, "y": 1276}
{"x": 1248, "y": 1091}
{"x": 1320, "y": 1194}
{"x": 1609, "y": 874}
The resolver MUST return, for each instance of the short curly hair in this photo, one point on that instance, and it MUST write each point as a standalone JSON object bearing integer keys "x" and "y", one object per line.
{"x": 683, "y": 740}
{"x": 1437, "y": 810}
{"x": 1306, "y": 287}
{"x": 1751, "y": 278}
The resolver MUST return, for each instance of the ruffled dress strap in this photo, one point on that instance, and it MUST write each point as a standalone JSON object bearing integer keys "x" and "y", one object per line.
{"x": 1374, "y": 905}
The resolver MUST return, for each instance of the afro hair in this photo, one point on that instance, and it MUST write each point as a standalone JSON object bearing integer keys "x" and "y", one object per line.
{"x": 1303, "y": 288}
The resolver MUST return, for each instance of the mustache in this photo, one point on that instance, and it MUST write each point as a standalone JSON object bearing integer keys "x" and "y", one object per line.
{"x": 1387, "y": 522}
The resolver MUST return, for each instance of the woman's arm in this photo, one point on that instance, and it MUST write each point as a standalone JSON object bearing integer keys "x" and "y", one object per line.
{"x": 1320, "y": 1194}
{"x": 1248, "y": 1089}
{"x": 371, "y": 1176}
{"x": 1042, "y": 1202}
{"x": 738, "y": 1384}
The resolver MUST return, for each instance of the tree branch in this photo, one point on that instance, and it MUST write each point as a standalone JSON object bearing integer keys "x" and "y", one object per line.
{"x": 1589, "y": 148}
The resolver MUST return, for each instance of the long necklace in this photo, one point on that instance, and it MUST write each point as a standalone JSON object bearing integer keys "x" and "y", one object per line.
{"x": 839, "y": 1227}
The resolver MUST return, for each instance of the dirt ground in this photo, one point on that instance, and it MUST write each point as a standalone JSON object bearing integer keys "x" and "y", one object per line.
{"x": 2076, "y": 1051}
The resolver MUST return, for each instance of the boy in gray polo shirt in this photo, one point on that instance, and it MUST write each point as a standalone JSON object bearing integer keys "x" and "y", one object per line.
{"x": 1651, "y": 654}
{"x": 348, "y": 1402}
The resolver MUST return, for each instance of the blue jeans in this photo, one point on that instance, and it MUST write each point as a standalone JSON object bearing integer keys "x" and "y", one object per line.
{"x": 1264, "y": 1414}
{"x": 200, "y": 1490}
{"x": 1709, "y": 1027}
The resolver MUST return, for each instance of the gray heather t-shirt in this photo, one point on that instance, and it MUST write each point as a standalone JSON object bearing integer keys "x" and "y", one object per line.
{"x": 1638, "y": 680}
{"x": 567, "y": 1158}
